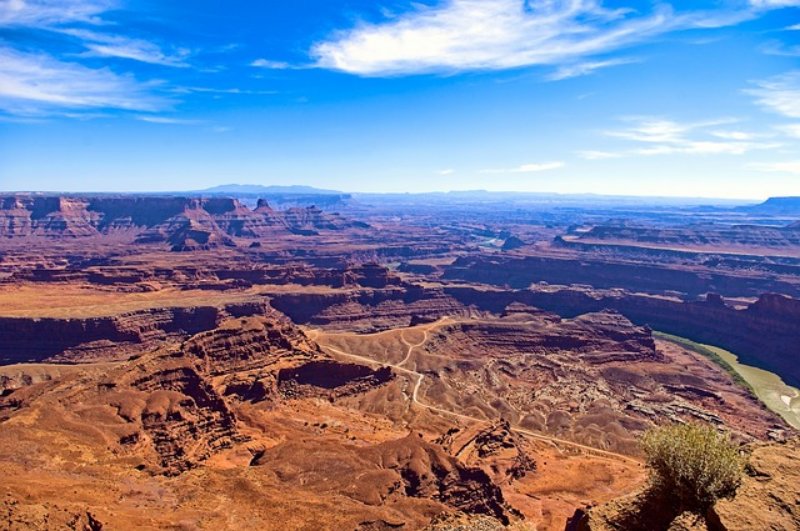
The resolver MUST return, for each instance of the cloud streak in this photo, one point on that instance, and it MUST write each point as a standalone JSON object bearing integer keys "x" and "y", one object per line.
{"x": 119, "y": 47}
{"x": 270, "y": 64}
{"x": 43, "y": 84}
{"x": 37, "y": 84}
{"x": 165, "y": 120}
{"x": 587, "y": 68}
{"x": 464, "y": 35}
{"x": 527, "y": 168}
{"x": 659, "y": 136}
{"x": 779, "y": 94}
{"x": 774, "y": 4}
{"x": 792, "y": 130}
{"x": 599, "y": 155}
{"x": 792, "y": 167}
{"x": 48, "y": 13}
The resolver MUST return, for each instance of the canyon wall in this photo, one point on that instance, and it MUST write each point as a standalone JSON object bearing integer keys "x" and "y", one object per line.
{"x": 600, "y": 273}
{"x": 184, "y": 223}
{"x": 106, "y": 338}
{"x": 765, "y": 334}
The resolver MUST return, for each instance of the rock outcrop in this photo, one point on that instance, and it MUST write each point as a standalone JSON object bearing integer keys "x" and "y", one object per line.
{"x": 175, "y": 408}
{"x": 407, "y": 467}
{"x": 696, "y": 237}
{"x": 767, "y": 499}
{"x": 368, "y": 309}
{"x": 763, "y": 334}
{"x": 185, "y": 224}
{"x": 228, "y": 398}
{"x": 709, "y": 321}
{"x": 109, "y": 338}
{"x": 598, "y": 272}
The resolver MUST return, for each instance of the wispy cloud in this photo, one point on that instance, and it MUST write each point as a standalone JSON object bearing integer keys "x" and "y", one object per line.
{"x": 528, "y": 168}
{"x": 460, "y": 35}
{"x": 41, "y": 83}
{"x": 599, "y": 155}
{"x": 37, "y": 84}
{"x": 166, "y": 120}
{"x": 705, "y": 147}
{"x": 222, "y": 91}
{"x": 271, "y": 65}
{"x": 654, "y": 130}
{"x": 448, "y": 171}
{"x": 44, "y": 13}
{"x": 69, "y": 18}
{"x": 780, "y": 94}
{"x": 792, "y": 130}
{"x": 587, "y": 68}
{"x": 774, "y": 4}
{"x": 119, "y": 47}
{"x": 792, "y": 167}
{"x": 667, "y": 137}
{"x": 734, "y": 135}
{"x": 780, "y": 49}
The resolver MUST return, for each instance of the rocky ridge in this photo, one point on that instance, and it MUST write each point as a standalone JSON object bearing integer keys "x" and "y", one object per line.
{"x": 211, "y": 399}
{"x": 184, "y": 224}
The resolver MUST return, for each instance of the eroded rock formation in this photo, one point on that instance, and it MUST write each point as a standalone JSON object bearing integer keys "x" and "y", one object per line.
{"x": 185, "y": 224}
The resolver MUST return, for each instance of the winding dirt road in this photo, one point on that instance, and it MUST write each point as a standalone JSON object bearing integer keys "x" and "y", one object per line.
{"x": 554, "y": 441}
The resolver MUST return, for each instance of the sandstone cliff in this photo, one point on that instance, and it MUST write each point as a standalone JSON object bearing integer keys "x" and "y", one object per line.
{"x": 182, "y": 223}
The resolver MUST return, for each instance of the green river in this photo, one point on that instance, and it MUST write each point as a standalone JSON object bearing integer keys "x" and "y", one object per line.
{"x": 779, "y": 397}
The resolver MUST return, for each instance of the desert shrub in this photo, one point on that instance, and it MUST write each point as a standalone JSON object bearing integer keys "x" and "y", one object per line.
{"x": 692, "y": 464}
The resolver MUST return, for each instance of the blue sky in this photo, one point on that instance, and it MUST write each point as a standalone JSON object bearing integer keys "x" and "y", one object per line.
{"x": 689, "y": 98}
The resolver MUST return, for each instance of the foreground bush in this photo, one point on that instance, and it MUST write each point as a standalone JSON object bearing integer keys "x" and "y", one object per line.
{"x": 692, "y": 464}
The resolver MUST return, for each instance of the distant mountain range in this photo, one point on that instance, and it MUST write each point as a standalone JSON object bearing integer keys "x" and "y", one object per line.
{"x": 257, "y": 189}
{"x": 778, "y": 205}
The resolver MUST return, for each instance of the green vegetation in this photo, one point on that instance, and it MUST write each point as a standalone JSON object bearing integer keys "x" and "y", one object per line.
{"x": 766, "y": 386}
{"x": 708, "y": 353}
{"x": 692, "y": 464}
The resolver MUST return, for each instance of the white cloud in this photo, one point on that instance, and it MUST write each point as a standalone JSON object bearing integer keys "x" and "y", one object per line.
{"x": 780, "y": 49}
{"x": 220, "y": 91}
{"x": 780, "y": 94}
{"x": 733, "y": 135}
{"x": 796, "y": 27}
{"x": 599, "y": 155}
{"x": 36, "y": 84}
{"x": 61, "y": 17}
{"x": 668, "y": 137}
{"x": 586, "y": 68}
{"x": 780, "y": 167}
{"x": 459, "y": 35}
{"x": 774, "y": 4}
{"x": 654, "y": 130}
{"x": 529, "y": 168}
{"x": 269, "y": 64}
{"x": 448, "y": 171}
{"x": 700, "y": 147}
{"x": 166, "y": 120}
{"x": 792, "y": 130}
{"x": 44, "y": 13}
{"x": 104, "y": 45}
{"x": 39, "y": 84}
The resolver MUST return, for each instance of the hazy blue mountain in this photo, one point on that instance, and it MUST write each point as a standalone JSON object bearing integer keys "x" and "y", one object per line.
{"x": 778, "y": 205}
{"x": 256, "y": 189}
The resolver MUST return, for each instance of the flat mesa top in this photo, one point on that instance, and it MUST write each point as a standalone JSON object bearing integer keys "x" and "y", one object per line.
{"x": 62, "y": 301}
{"x": 69, "y": 301}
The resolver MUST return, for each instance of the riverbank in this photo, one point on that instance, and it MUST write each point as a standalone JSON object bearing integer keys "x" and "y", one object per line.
{"x": 768, "y": 387}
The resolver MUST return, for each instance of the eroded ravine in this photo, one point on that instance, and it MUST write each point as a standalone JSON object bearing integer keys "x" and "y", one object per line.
{"x": 556, "y": 442}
